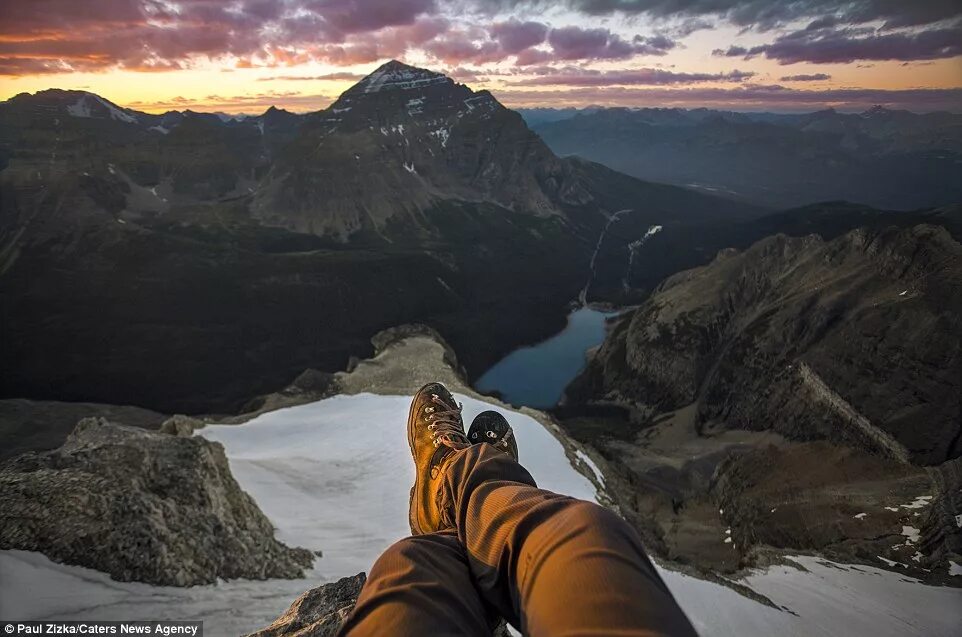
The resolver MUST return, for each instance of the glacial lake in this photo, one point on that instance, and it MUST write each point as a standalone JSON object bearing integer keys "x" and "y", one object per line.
{"x": 536, "y": 375}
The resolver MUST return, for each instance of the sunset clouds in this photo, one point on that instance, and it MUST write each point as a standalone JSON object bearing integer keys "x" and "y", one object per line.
{"x": 504, "y": 44}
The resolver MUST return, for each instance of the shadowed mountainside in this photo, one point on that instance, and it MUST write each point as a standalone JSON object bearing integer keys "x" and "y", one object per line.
{"x": 186, "y": 262}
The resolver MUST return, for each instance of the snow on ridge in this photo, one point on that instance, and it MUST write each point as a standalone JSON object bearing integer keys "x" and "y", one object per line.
{"x": 400, "y": 79}
{"x": 116, "y": 113}
{"x": 599, "y": 476}
{"x": 81, "y": 108}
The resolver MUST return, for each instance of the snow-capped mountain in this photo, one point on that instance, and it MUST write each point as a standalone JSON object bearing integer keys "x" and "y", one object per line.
{"x": 411, "y": 198}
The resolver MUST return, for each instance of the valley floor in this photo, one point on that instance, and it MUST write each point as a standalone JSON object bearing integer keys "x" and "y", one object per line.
{"x": 333, "y": 475}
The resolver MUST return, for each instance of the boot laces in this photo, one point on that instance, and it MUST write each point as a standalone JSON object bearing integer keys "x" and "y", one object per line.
{"x": 445, "y": 424}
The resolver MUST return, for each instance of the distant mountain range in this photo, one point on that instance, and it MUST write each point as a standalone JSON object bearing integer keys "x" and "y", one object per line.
{"x": 188, "y": 261}
{"x": 884, "y": 158}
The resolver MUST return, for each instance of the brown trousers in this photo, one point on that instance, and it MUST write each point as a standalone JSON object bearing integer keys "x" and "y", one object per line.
{"x": 549, "y": 564}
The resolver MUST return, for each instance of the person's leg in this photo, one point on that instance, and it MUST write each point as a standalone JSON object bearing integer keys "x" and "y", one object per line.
{"x": 553, "y": 565}
{"x": 420, "y": 586}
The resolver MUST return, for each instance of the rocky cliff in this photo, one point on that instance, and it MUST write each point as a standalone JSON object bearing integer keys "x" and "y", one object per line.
{"x": 141, "y": 506}
{"x": 800, "y": 395}
{"x": 858, "y": 339}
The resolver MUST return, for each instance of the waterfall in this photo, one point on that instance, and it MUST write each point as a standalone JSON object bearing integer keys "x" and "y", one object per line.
{"x": 583, "y": 296}
{"x": 634, "y": 245}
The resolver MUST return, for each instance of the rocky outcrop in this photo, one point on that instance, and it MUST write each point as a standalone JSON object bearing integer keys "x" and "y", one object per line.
{"x": 180, "y": 425}
{"x": 802, "y": 395}
{"x": 857, "y": 340}
{"x": 941, "y": 532}
{"x": 319, "y": 612}
{"x": 847, "y": 505}
{"x": 142, "y": 506}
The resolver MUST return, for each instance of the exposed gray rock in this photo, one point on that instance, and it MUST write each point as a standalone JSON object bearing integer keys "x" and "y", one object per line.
{"x": 180, "y": 425}
{"x": 941, "y": 529}
{"x": 319, "y": 612}
{"x": 141, "y": 506}
{"x": 784, "y": 397}
{"x": 857, "y": 340}
{"x": 386, "y": 338}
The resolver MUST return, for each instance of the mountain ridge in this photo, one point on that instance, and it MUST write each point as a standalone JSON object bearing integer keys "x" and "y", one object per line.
{"x": 881, "y": 157}
{"x": 186, "y": 263}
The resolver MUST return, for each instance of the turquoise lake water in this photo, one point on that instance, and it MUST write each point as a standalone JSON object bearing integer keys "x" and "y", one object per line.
{"x": 537, "y": 375}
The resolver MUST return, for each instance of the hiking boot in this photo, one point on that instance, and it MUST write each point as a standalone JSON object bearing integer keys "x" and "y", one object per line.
{"x": 492, "y": 428}
{"x": 435, "y": 432}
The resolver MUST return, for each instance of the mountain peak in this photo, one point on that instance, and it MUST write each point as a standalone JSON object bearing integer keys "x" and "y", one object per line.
{"x": 395, "y": 75}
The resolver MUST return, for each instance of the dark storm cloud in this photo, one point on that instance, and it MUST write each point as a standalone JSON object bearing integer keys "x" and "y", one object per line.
{"x": 831, "y": 45}
{"x": 650, "y": 77}
{"x": 515, "y": 36}
{"x": 806, "y": 77}
{"x": 56, "y": 35}
{"x": 769, "y": 13}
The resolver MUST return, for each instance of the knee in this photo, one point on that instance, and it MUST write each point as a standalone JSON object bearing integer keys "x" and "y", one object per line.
{"x": 594, "y": 518}
{"x": 406, "y": 548}
{"x": 415, "y": 549}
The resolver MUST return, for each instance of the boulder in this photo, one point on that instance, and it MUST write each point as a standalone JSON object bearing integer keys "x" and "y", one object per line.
{"x": 319, "y": 612}
{"x": 141, "y": 506}
{"x": 180, "y": 425}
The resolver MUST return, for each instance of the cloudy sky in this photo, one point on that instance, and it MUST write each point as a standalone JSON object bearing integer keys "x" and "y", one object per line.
{"x": 245, "y": 55}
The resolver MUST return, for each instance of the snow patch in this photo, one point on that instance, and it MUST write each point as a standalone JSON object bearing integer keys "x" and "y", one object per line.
{"x": 415, "y": 106}
{"x": 160, "y": 129}
{"x": 81, "y": 108}
{"x": 442, "y": 134}
{"x": 600, "y": 477}
{"x": 410, "y": 168}
{"x": 912, "y": 534}
{"x": 860, "y": 516}
{"x": 917, "y": 503}
{"x": 890, "y": 562}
